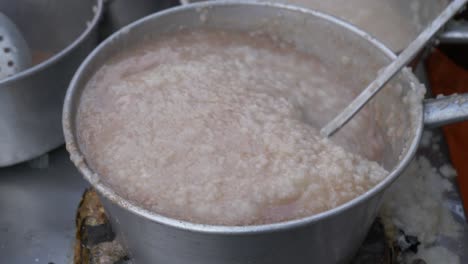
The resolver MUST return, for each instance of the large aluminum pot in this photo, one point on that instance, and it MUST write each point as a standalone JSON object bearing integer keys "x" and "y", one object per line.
{"x": 60, "y": 35}
{"x": 329, "y": 237}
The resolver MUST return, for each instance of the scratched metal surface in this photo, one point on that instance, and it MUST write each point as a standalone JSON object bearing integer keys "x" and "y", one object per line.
{"x": 37, "y": 211}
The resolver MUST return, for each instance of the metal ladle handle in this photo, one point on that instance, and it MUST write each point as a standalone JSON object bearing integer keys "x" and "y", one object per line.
{"x": 393, "y": 68}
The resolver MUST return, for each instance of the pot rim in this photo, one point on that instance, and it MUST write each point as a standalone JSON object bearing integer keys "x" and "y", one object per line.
{"x": 62, "y": 53}
{"x": 79, "y": 160}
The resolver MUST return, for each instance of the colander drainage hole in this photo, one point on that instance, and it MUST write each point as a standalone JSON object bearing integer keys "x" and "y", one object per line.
{"x": 7, "y": 50}
{"x": 10, "y": 64}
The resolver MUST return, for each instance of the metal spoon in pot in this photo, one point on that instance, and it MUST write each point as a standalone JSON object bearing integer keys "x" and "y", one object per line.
{"x": 393, "y": 68}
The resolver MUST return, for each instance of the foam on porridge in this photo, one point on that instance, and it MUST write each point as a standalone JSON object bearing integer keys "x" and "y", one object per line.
{"x": 221, "y": 128}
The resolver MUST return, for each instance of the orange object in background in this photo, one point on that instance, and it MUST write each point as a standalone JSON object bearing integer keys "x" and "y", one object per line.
{"x": 447, "y": 78}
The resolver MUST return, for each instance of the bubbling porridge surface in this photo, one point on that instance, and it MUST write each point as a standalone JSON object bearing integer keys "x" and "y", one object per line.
{"x": 219, "y": 128}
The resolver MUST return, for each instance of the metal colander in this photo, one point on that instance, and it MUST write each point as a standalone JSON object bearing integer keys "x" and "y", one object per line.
{"x": 14, "y": 51}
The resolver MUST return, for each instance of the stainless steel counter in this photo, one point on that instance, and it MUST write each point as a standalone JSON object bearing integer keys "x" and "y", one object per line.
{"x": 37, "y": 211}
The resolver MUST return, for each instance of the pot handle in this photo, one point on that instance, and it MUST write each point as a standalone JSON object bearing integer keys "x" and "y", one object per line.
{"x": 456, "y": 32}
{"x": 445, "y": 110}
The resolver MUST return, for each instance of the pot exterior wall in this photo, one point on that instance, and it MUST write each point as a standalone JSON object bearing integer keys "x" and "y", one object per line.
{"x": 30, "y": 108}
{"x": 329, "y": 240}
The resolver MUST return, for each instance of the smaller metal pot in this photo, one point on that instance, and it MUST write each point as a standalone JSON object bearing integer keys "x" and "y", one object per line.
{"x": 329, "y": 237}
{"x": 60, "y": 34}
